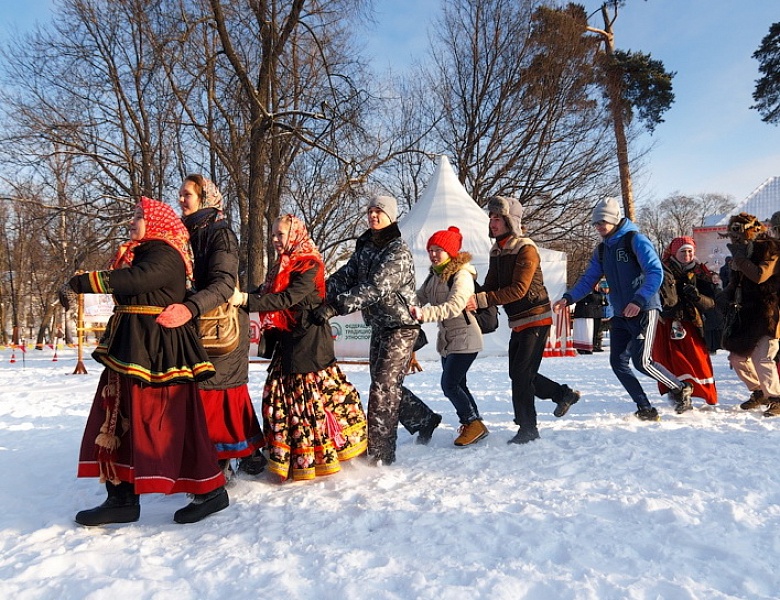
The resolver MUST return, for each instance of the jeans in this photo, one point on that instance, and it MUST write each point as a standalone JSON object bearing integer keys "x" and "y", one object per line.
{"x": 453, "y": 384}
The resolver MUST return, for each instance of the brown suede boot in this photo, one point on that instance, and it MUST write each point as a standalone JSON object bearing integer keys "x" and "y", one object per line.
{"x": 471, "y": 433}
{"x": 774, "y": 407}
{"x": 756, "y": 400}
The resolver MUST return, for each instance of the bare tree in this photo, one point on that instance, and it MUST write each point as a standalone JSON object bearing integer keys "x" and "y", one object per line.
{"x": 677, "y": 215}
{"x": 633, "y": 83}
{"x": 268, "y": 85}
{"x": 90, "y": 87}
{"x": 514, "y": 109}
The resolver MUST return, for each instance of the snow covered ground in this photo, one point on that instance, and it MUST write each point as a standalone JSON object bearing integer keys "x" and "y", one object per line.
{"x": 602, "y": 506}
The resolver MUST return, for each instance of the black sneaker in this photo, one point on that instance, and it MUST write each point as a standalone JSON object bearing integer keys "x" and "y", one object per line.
{"x": 426, "y": 431}
{"x": 682, "y": 398}
{"x": 647, "y": 414}
{"x": 202, "y": 506}
{"x": 254, "y": 464}
{"x": 523, "y": 436}
{"x": 564, "y": 404}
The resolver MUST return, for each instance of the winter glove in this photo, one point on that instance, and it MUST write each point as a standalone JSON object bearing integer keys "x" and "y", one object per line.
{"x": 690, "y": 292}
{"x": 322, "y": 313}
{"x": 174, "y": 315}
{"x": 67, "y": 296}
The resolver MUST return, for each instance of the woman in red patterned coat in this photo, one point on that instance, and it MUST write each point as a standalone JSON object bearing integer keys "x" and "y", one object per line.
{"x": 679, "y": 338}
{"x": 146, "y": 431}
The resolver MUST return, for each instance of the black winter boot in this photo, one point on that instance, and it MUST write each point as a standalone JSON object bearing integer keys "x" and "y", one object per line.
{"x": 523, "y": 436}
{"x": 202, "y": 506}
{"x": 564, "y": 403}
{"x": 254, "y": 464}
{"x": 121, "y": 506}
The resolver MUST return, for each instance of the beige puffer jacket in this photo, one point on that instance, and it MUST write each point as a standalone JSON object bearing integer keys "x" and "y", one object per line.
{"x": 444, "y": 304}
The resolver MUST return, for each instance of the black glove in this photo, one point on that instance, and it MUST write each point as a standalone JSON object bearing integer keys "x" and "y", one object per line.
{"x": 690, "y": 292}
{"x": 322, "y": 313}
{"x": 67, "y": 296}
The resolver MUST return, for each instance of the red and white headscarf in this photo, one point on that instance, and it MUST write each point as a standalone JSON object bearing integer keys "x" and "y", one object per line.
{"x": 677, "y": 244}
{"x": 162, "y": 223}
{"x": 300, "y": 255}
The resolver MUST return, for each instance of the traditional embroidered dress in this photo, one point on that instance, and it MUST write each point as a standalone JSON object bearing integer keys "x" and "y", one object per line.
{"x": 679, "y": 341}
{"x": 146, "y": 425}
{"x": 232, "y": 423}
{"x": 312, "y": 415}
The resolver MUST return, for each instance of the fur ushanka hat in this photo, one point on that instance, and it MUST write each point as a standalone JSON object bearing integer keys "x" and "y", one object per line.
{"x": 511, "y": 210}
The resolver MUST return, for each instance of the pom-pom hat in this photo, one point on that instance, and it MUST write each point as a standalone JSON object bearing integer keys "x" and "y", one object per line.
{"x": 448, "y": 240}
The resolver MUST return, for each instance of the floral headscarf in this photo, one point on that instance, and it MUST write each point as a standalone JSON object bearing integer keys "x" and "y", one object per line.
{"x": 300, "y": 255}
{"x": 162, "y": 223}
{"x": 210, "y": 197}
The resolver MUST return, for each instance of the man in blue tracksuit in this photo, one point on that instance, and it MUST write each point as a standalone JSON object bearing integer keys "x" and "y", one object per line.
{"x": 634, "y": 282}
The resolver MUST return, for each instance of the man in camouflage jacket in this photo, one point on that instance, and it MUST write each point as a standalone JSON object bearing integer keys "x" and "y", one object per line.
{"x": 379, "y": 280}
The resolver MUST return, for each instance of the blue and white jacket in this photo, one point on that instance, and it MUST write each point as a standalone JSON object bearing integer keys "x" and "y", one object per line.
{"x": 634, "y": 279}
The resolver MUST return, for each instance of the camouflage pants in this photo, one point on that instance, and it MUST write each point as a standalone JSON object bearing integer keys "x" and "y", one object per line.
{"x": 388, "y": 400}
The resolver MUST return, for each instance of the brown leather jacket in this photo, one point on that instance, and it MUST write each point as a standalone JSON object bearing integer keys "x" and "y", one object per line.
{"x": 514, "y": 280}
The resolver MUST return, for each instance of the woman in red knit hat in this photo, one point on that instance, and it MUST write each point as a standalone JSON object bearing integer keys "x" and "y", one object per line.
{"x": 679, "y": 341}
{"x": 443, "y": 296}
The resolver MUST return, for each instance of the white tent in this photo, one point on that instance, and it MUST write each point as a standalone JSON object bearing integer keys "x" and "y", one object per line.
{"x": 444, "y": 203}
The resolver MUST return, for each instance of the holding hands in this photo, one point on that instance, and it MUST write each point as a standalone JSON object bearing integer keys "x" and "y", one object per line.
{"x": 238, "y": 298}
{"x": 174, "y": 315}
{"x": 323, "y": 313}
{"x": 560, "y": 305}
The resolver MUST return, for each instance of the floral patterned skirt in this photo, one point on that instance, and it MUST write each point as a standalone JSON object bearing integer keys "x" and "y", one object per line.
{"x": 311, "y": 422}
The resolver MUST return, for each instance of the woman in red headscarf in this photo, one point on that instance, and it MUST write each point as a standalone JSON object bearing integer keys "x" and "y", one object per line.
{"x": 679, "y": 342}
{"x": 146, "y": 431}
{"x": 312, "y": 416}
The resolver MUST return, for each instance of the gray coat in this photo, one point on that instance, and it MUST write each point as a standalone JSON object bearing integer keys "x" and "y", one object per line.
{"x": 445, "y": 303}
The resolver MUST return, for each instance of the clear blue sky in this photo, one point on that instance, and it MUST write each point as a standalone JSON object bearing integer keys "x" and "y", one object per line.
{"x": 710, "y": 141}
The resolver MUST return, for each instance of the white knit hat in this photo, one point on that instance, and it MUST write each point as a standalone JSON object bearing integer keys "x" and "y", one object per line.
{"x": 607, "y": 210}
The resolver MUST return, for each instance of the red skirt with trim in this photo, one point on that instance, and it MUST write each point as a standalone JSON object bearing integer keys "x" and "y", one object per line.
{"x": 166, "y": 448}
{"x": 686, "y": 357}
{"x": 232, "y": 423}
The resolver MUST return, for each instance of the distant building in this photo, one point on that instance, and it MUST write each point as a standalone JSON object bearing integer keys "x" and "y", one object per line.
{"x": 763, "y": 202}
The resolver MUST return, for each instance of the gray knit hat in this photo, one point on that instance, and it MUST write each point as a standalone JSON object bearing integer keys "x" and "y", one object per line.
{"x": 607, "y": 210}
{"x": 511, "y": 210}
{"x": 386, "y": 204}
